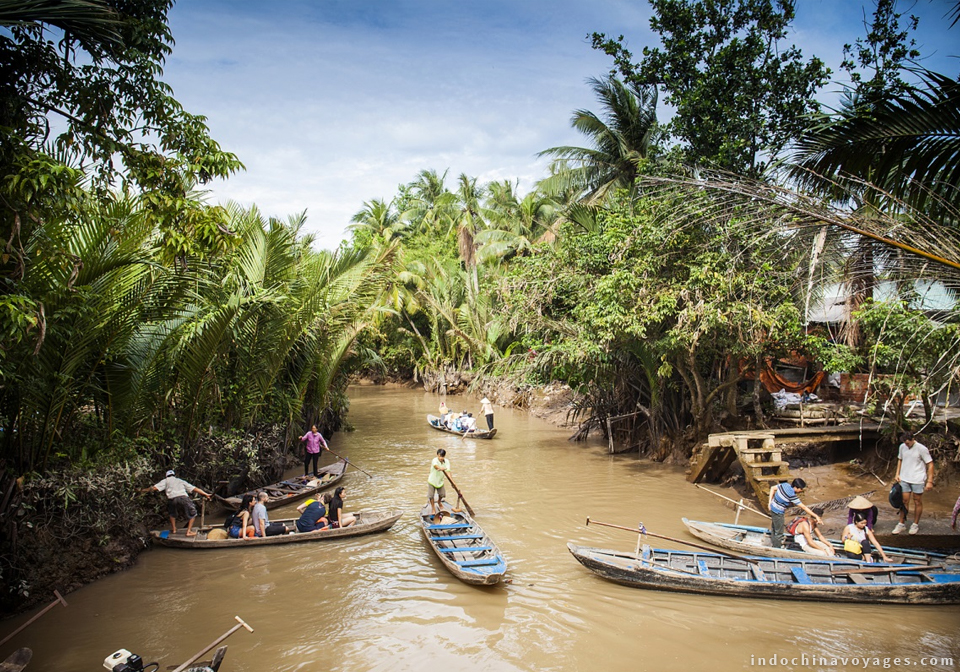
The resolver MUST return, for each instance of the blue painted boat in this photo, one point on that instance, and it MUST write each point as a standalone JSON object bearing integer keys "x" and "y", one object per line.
{"x": 751, "y": 540}
{"x": 462, "y": 546}
{"x": 783, "y": 578}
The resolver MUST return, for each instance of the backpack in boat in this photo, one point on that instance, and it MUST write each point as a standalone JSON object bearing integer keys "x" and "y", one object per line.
{"x": 230, "y": 520}
{"x": 794, "y": 524}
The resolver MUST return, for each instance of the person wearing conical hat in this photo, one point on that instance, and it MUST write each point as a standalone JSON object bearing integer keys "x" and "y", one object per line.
{"x": 487, "y": 411}
{"x": 866, "y": 507}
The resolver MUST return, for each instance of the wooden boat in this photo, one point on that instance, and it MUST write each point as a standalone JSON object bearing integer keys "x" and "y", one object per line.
{"x": 757, "y": 541}
{"x": 784, "y": 578}
{"x": 17, "y": 660}
{"x": 434, "y": 421}
{"x": 463, "y": 547}
{"x": 368, "y": 522}
{"x": 293, "y": 489}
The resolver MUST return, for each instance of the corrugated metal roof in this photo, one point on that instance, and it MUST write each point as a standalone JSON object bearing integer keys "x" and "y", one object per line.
{"x": 932, "y": 296}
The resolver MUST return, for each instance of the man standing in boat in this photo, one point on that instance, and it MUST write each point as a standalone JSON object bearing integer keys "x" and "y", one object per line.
{"x": 487, "y": 410}
{"x": 915, "y": 475}
{"x": 437, "y": 479}
{"x": 314, "y": 440}
{"x": 782, "y": 497}
{"x": 178, "y": 491}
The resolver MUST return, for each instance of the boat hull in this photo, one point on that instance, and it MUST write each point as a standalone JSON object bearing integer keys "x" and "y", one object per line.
{"x": 463, "y": 547}
{"x": 756, "y": 541}
{"x": 819, "y": 580}
{"x": 368, "y": 522}
{"x": 293, "y": 489}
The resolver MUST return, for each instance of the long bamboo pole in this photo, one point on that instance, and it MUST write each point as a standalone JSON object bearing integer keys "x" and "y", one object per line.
{"x": 740, "y": 504}
{"x": 643, "y": 530}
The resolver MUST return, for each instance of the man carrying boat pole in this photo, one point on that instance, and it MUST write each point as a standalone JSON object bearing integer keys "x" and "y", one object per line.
{"x": 782, "y": 497}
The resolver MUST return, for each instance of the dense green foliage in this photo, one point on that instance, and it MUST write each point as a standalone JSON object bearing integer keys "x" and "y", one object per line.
{"x": 740, "y": 95}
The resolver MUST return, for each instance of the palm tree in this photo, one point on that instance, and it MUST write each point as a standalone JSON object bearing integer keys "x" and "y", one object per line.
{"x": 514, "y": 224}
{"x": 379, "y": 220}
{"x": 621, "y": 140}
{"x": 907, "y": 145}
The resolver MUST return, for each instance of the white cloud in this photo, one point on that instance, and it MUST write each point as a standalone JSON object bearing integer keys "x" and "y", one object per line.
{"x": 332, "y": 104}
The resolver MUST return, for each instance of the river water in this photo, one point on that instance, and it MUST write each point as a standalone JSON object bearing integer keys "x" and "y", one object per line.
{"x": 383, "y": 602}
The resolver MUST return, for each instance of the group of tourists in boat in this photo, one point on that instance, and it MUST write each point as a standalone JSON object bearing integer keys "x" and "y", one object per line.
{"x": 464, "y": 423}
{"x": 793, "y": 560}
{"x": 796, "y": 560}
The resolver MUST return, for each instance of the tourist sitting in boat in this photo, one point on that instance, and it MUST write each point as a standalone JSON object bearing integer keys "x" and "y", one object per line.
{"x": 335, "y": 511}
{"x": 865, "y": 506}
{"x": 804, "y": 530}
{"x": 242, "y": 524}
{"x": 313, "y": 515}
{"x": 859, "y": 542}
{"x": 262, "y": 527}
{"x": 469, "y": 423}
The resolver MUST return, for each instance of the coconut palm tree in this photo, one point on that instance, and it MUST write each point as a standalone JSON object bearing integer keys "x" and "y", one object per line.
{"x": 621, "y": 139}
{"x": 379, "y": 220}
{"x": 918, "y": 136}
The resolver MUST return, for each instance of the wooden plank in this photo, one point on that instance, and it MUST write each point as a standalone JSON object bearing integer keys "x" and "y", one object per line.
{"x": 478, "y": 563}
{"x": 465, "y": 549}
{"x": 800, "y": 575}
{"x": 457, "y": 537}
{"x": 449, "y": 526}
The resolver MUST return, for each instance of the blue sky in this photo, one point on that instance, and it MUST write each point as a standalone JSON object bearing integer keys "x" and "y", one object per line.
{"x": 333, "y": 103}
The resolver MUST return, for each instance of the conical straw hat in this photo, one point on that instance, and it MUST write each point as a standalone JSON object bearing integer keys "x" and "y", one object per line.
{"x": 860, "y": 502}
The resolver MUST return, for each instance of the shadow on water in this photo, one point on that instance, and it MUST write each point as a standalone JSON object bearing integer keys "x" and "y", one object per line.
{"x": 384, "y": 602}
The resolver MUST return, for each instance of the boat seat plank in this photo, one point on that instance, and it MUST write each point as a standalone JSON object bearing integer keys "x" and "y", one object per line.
{"x": 450, "y": 526}
{"x": 465, "y": 549}
{"x": 858, "y": 579}
{"x": 457, "y": 537}
{"x": 478, "y": 563}
{"x": 800, "y": 575}
{"x": 702, "y": 568}
{"x": 758, "y": 573}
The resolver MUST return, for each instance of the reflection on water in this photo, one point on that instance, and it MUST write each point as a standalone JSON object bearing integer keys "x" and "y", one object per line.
{"x": 384, "y": 602}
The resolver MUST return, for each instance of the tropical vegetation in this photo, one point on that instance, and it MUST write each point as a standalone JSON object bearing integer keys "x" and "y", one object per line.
{"x": 655, "y": 270}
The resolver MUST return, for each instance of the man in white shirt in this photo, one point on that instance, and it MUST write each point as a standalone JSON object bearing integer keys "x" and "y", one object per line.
{"x": 915, "y": 475}
{"x": 177, "y": 491}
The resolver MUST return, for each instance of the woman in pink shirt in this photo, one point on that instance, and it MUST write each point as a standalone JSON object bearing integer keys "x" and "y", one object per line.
{"x": 314, "y": 441}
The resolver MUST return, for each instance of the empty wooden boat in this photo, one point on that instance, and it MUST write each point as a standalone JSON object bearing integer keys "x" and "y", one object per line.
{"x": 463, "y": 547}
{"x": 434, "y": 421}
{"x": 784, "y": 578}
{"x": 751, "y": 540}
{"x": 368, "y": 522}
{"x": 293, "y": 489}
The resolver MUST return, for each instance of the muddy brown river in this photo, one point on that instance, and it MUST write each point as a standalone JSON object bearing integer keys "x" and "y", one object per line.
{"x": 383, "y": 602}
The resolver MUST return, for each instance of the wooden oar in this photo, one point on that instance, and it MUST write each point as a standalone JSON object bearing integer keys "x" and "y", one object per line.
{"x": 460, "y": 496}
{"x": 740, "y": 505}
{"x": 643, "y": 530}
{"x": 47, "y": 608}
{"x": 349, "y": 462}
{"x": 240, "y": 624}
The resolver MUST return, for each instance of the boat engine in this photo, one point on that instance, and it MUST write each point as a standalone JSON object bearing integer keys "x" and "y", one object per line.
{"x": 123, "y": 661}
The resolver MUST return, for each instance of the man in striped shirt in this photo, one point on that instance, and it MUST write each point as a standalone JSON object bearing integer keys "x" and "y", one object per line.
{"x": 782, "y": 497}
